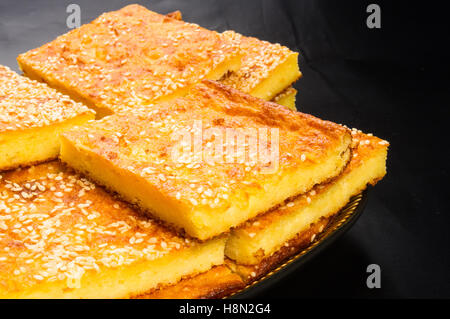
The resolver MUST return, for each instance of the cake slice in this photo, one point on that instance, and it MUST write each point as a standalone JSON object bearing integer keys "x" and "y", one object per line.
{"x": 286, "y": 98}
{"x": 63, "y": 237}
{"x": 210, "y": 160}
{"x": 131, "y": 57}
{"x": 32, "y": 116}
{"x": 267, "y": 70}
{"x": 298, "y": 220}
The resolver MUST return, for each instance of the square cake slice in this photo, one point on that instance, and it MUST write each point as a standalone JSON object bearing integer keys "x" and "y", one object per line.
{"x": 267, "y": 69}
{"x": 210, "y": 160}
{"x": 131, "y": 57}
{"x": 32, "y": 116}
{"x": 63, "y": 237}
{"x": 283, "y": 228}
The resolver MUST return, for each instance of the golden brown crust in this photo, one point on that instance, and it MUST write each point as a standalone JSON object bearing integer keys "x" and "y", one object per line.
{"x": 129, "y": 57}
{"x": 236, "y": 103}
{"x": 27, "y": 104}
{"x": 218, "y": 282}
{"x": 56, "y": 225}
{"x": 250, "y": 273}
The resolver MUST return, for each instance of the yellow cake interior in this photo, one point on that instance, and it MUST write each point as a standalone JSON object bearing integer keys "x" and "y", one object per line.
{"x": 35, "y": 144}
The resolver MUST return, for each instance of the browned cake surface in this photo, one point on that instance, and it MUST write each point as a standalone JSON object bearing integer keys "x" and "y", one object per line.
{"x": 218, "y": 282}
{"x": 128, "y": 57}
{"x": 57, "y": 226}
{"x": 250, "y": 273}
{"x": 141, "y": 143}
{"x": 26, "y": 104}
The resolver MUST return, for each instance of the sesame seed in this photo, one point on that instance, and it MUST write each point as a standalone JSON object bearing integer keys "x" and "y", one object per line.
{"x": 38, "y": 277}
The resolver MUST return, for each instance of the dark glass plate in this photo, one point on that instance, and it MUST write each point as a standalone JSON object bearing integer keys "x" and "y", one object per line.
{"x": 342, "y": 222}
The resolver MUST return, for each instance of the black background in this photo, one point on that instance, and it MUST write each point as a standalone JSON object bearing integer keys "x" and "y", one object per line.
{"x": 390, "y": 81}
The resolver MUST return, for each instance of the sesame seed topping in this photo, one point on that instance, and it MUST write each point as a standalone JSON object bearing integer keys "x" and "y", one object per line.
{"x": 26, "y": 104}
{"x": 60, "y": 236}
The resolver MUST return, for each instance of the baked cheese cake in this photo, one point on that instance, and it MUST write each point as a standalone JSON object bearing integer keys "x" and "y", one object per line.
{"x": 61, "y": 236}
